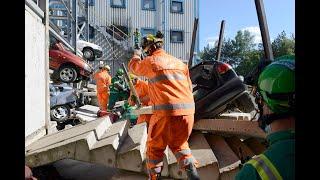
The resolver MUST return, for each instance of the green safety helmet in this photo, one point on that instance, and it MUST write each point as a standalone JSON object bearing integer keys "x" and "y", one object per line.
{"x": 276, "y": 85}
{"x": 120, "y": 72}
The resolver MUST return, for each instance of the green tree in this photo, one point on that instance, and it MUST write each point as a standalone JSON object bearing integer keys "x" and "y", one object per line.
{"x": 243, "y": 55}
{"x": 233, "y": 50}
{"x": 283, "y": 45}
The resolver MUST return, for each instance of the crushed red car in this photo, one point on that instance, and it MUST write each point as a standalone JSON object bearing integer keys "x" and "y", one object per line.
{"x": 67, "y": 66}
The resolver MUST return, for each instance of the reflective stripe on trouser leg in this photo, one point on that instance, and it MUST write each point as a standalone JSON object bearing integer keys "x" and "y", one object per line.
{"x": 154, "y": 167}
{"x": 184, "y": 158}
{"x": 265, "y": 168}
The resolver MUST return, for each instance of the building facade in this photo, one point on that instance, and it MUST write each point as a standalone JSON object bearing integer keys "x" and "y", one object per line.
{"x": 174, "y": 18}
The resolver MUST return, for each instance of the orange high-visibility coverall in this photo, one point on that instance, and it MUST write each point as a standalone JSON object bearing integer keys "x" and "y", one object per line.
{"x": 170, "y": 91}
{"x": 103, "y": 80}
{"x": 143, "y": 93}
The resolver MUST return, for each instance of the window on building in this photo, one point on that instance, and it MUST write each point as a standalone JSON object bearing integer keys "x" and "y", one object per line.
{"x": 176, "y": 36}
{"x": 145, "y": 31}
{"x": 148, "y": 5}
{"x": 91, "y": 2}
{"x": 91, "y": 32}
{"x": 118, "y": 4}
{"x": 177, "y": 6}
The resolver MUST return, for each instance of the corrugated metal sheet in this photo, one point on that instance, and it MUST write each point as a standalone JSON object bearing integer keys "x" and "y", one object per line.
{"x": 161, "y": 19}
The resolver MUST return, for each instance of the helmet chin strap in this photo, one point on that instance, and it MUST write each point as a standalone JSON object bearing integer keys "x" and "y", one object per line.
{"x": 266, "y": 119}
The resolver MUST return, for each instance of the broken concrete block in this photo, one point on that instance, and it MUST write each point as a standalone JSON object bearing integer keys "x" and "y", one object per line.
{"x": 73, "y": 148}
{"x": 235, "y": 127}
{"x": 89, "y": 109}
{"x": 52, "y": 127}
{"x": 68, "y": 126}
{"x": 91, "y": 87}
{"x": 235, "y": 116}
{"x": 86, "y": 117}
{"x": 99, "y": 127}
{"x": 131, "y": 154}
{"x": 227, "y": 159}
{"x": 208, "y": 165}
{"x": 94, "y": 101}
{"x": 165, "y": 167}
{"x": 255, "y": 145}
{"x": 239, "y": 148}
{"x": 104, "y": 151}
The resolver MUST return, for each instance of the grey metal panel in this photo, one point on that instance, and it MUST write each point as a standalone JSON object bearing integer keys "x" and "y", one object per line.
{"x": 36, "y": 9}
{"x": 162, "y": 19}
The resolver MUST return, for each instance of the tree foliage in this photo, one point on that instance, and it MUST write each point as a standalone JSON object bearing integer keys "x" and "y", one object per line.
{"x": 243, "y": 54}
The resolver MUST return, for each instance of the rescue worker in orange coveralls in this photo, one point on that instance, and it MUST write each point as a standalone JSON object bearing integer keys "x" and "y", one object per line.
{"x": 143, "y": 93}
{"x": 170, "y": 91}
{"x": 103, "y": 80}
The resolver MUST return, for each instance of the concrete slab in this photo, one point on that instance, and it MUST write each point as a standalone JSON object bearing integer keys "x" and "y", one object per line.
{"x": 98, "y": 126}
{"x": 165, "y": 167}
{"x": 88, "y": 109}
{"x": 86, "y": 117}
{"x": 227, "y": 159}
{"x": 208, "y": 165}
{"x": 235, "y": 127}
{"x": 255, "y": 145}
{"x": 235, "y": 116}
{"x": 91, "y": 87}
{"x": 35, "y": 136}
{"x": 74, "y": 148}
{"x": 132, "y": 153}
{"x": 222, "y": 151}
{"x": 104, "y": 151}
{"x": 94, "y": 101}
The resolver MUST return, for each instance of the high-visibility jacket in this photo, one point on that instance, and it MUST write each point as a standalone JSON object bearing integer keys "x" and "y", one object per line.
{"x": 169, "y": 83}
{"x": 103, "y": 80}
{"x": 265, "y": 168}
{"x": 143, "y": 93}
{"x": 280, "y": 157}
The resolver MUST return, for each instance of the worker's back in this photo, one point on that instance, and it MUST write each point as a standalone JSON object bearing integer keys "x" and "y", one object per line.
{"x": 170, "y": 85}
{"x": 103, "y": 80}
{"x": 281, "y": 154}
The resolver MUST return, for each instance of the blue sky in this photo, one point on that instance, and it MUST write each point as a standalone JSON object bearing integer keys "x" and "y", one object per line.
{"x": 241, "y": 14}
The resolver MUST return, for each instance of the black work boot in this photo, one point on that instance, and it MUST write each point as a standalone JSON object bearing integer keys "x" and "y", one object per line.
{"x": 192, "y": 172}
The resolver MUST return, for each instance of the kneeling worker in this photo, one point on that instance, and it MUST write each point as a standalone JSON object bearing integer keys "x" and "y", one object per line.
{"x": 143, "y": 93}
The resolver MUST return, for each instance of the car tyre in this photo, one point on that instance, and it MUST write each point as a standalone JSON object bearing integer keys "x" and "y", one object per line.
{"x": 60, "y": 113}
{"x": 88, "y": 54}
{"x": 67, "y": 73}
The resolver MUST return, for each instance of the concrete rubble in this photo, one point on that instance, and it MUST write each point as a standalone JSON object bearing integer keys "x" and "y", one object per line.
{"x": 215, "y": 143}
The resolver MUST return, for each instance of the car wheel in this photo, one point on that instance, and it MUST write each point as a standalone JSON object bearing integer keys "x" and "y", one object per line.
{"x": 67, "y": 74}
{"x": 88, "y": 54}
{"x": 60, "y": 113}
